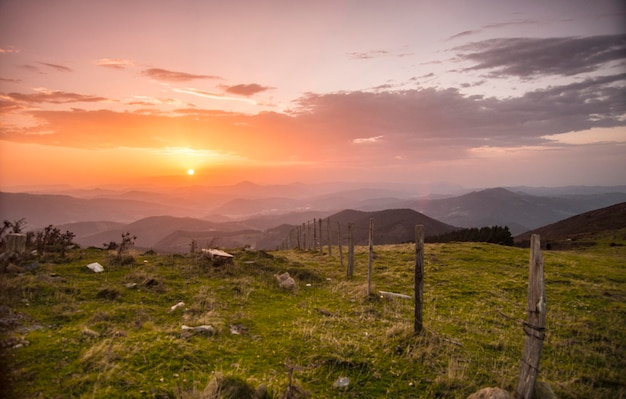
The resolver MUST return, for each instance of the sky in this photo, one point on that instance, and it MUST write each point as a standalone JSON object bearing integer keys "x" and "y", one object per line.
{"x": 476, "y": 93}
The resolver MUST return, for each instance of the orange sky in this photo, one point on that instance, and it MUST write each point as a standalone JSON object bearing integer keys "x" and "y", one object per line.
{"x": 500, "y": 93}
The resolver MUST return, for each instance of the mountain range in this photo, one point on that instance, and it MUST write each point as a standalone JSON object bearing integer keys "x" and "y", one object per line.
{"x": 262, "y": 216}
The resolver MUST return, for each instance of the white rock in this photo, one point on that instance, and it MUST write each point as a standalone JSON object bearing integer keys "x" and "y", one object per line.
{"x": 96, "y": 267}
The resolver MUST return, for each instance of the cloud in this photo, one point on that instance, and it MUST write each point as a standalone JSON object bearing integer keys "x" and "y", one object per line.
{"x": 53, "y": 97}
{"x": 463, "y": 34}
{"x": 417, "y": 125}
{"x": 9, "y": 50}
{"x": 9, "y": 80}
{"x": 114, "y": 63}
{"x": 173, "y": 76}
{"x": 246, "y": 89}
{"x": 212, "y": 96}
{"x": 151, "y": 101}
{"x": 367, "y": 140}
{"x": 57, "y": 67}
{"x": 368, "y": 54}
{"x": 529, "y": 57}
{"x": 31, "y": 68}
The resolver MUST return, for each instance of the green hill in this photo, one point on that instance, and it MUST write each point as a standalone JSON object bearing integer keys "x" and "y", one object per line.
{"x": 69, "y": 332}
{"x": 583, "y": 229}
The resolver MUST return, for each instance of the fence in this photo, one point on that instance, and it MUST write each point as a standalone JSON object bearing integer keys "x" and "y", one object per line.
{"x": 534, "y": 329}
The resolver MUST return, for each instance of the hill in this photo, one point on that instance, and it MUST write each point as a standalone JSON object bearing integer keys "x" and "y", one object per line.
{"x": 579, "y": 227}
{"x": 391, "y": 226}
{"x": 155, "y": 229}
{"x": 517, "y": 210}
{"x": 41, "y": 210}
{"x": 175, "y": 326}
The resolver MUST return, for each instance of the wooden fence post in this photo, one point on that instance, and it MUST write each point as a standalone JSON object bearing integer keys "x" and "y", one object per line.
{"x": 371, "y": 258}
{"x": 320, "y": 235}
{"x": 350, "y": 251}
{"x": 535, "y": 328}
{"x": 314, "y": 234}
{"x": 330, "y": 242}
{"x": 419, "y": 278}
{"x": 339, "y": 244}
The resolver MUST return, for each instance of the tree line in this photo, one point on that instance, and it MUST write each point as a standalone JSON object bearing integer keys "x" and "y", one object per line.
{"x": 494, "y": 234}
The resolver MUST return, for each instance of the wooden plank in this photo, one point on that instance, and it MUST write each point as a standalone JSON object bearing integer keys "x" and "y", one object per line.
{"x": 387, "y": 294}
{"x": 419, "y": 278}
{"x": 535, "y": 327}
{"x": 370, "y": 259}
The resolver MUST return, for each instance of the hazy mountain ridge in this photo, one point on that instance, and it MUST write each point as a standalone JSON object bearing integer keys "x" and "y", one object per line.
{"x": 598, "y": 220}
{"x": 263, "y": 219}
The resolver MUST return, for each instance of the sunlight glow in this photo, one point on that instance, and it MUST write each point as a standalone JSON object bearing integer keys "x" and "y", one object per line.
{"x": 190, "y": 172}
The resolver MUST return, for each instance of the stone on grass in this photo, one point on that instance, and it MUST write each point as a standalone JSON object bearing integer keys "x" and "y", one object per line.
{"x": 285, "y": 281}
{"x": 95, "y": 267}
{"x": 342, "y": 383}
{"x": 543, "y": 390}
{"x": 490, "y": 393}
{"x": 205, "y": 329}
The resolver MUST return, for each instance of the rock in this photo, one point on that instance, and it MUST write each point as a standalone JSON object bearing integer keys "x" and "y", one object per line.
{"x": 490, "y": 393}
{"x": 342, "y": 382}
{"x": 261, "y": 392}
{"x": 543, "y": 390}
{"x": 12, "y": 268}
{"x": 90, "y": 333}
{"x": 131, "y": 286}
{"x": 95, "y": 267}
{"x": 238, "y": 329}
{"x": 285, "y": 281}
{"x": 178, "y": 305}
{"x": 206, "y": 329}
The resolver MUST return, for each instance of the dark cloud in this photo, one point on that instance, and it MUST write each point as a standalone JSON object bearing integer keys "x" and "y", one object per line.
{"x": 463, "y": 34}
{"x": 437, "y": 117}
{"x": 54, "y": 97}
{"x": 426, "y": 124}
{"x": 173, "y": 76}
{"x": 8, "y": 80}
{"x": 31, "y": 68}
{"x": 57, "y": 67}
{"x": 245, "y": 89}
{"x": 526, "y": 57}
{"x": 511, "y": 23}
{"x": 368, "y": 54}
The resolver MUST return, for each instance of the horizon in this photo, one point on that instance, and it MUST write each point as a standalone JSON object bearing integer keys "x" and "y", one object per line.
{"x": 484, "y": 95}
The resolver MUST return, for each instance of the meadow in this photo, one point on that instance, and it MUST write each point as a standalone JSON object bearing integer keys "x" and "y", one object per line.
{"x": 70, "y": 332}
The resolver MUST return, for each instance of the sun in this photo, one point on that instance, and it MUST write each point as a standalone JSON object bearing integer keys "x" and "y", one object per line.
{"x": 190, "y": 172}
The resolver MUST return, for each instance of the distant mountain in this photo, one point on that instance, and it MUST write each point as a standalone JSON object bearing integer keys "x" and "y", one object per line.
{"x": 519, "y": 211}
{"x": 390, "y": 226}
{"x": 579, "y": 226}
{"x": 153, "y": 229}
{"x": 248, "y": 207}
{"x": 41, "y": 210}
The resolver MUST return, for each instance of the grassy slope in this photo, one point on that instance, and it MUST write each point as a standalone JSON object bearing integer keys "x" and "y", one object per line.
{"x": 90, "y": 336}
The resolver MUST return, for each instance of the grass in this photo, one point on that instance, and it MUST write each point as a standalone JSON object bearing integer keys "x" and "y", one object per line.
{"x": 72, "y": 333}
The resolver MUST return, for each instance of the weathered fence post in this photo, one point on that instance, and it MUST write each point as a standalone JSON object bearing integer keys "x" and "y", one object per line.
{"x": 370, "y": 259}
{"x": 339, "y": 244}
{"x": 314, "y": 234}
{"x": 350, "y": 251}
{"x": 308, "y": 234}
{"x": 16, "y": 243}
{"x": 330, "y": 241}
{"x": 320, "y": 235}
{"x": 298, "y": 235}
{"x": 419, "y": 278}
{"x": 535, "y": 328}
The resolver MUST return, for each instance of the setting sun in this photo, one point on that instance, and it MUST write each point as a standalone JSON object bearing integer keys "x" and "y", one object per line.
{"x": 190, "y": 172}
